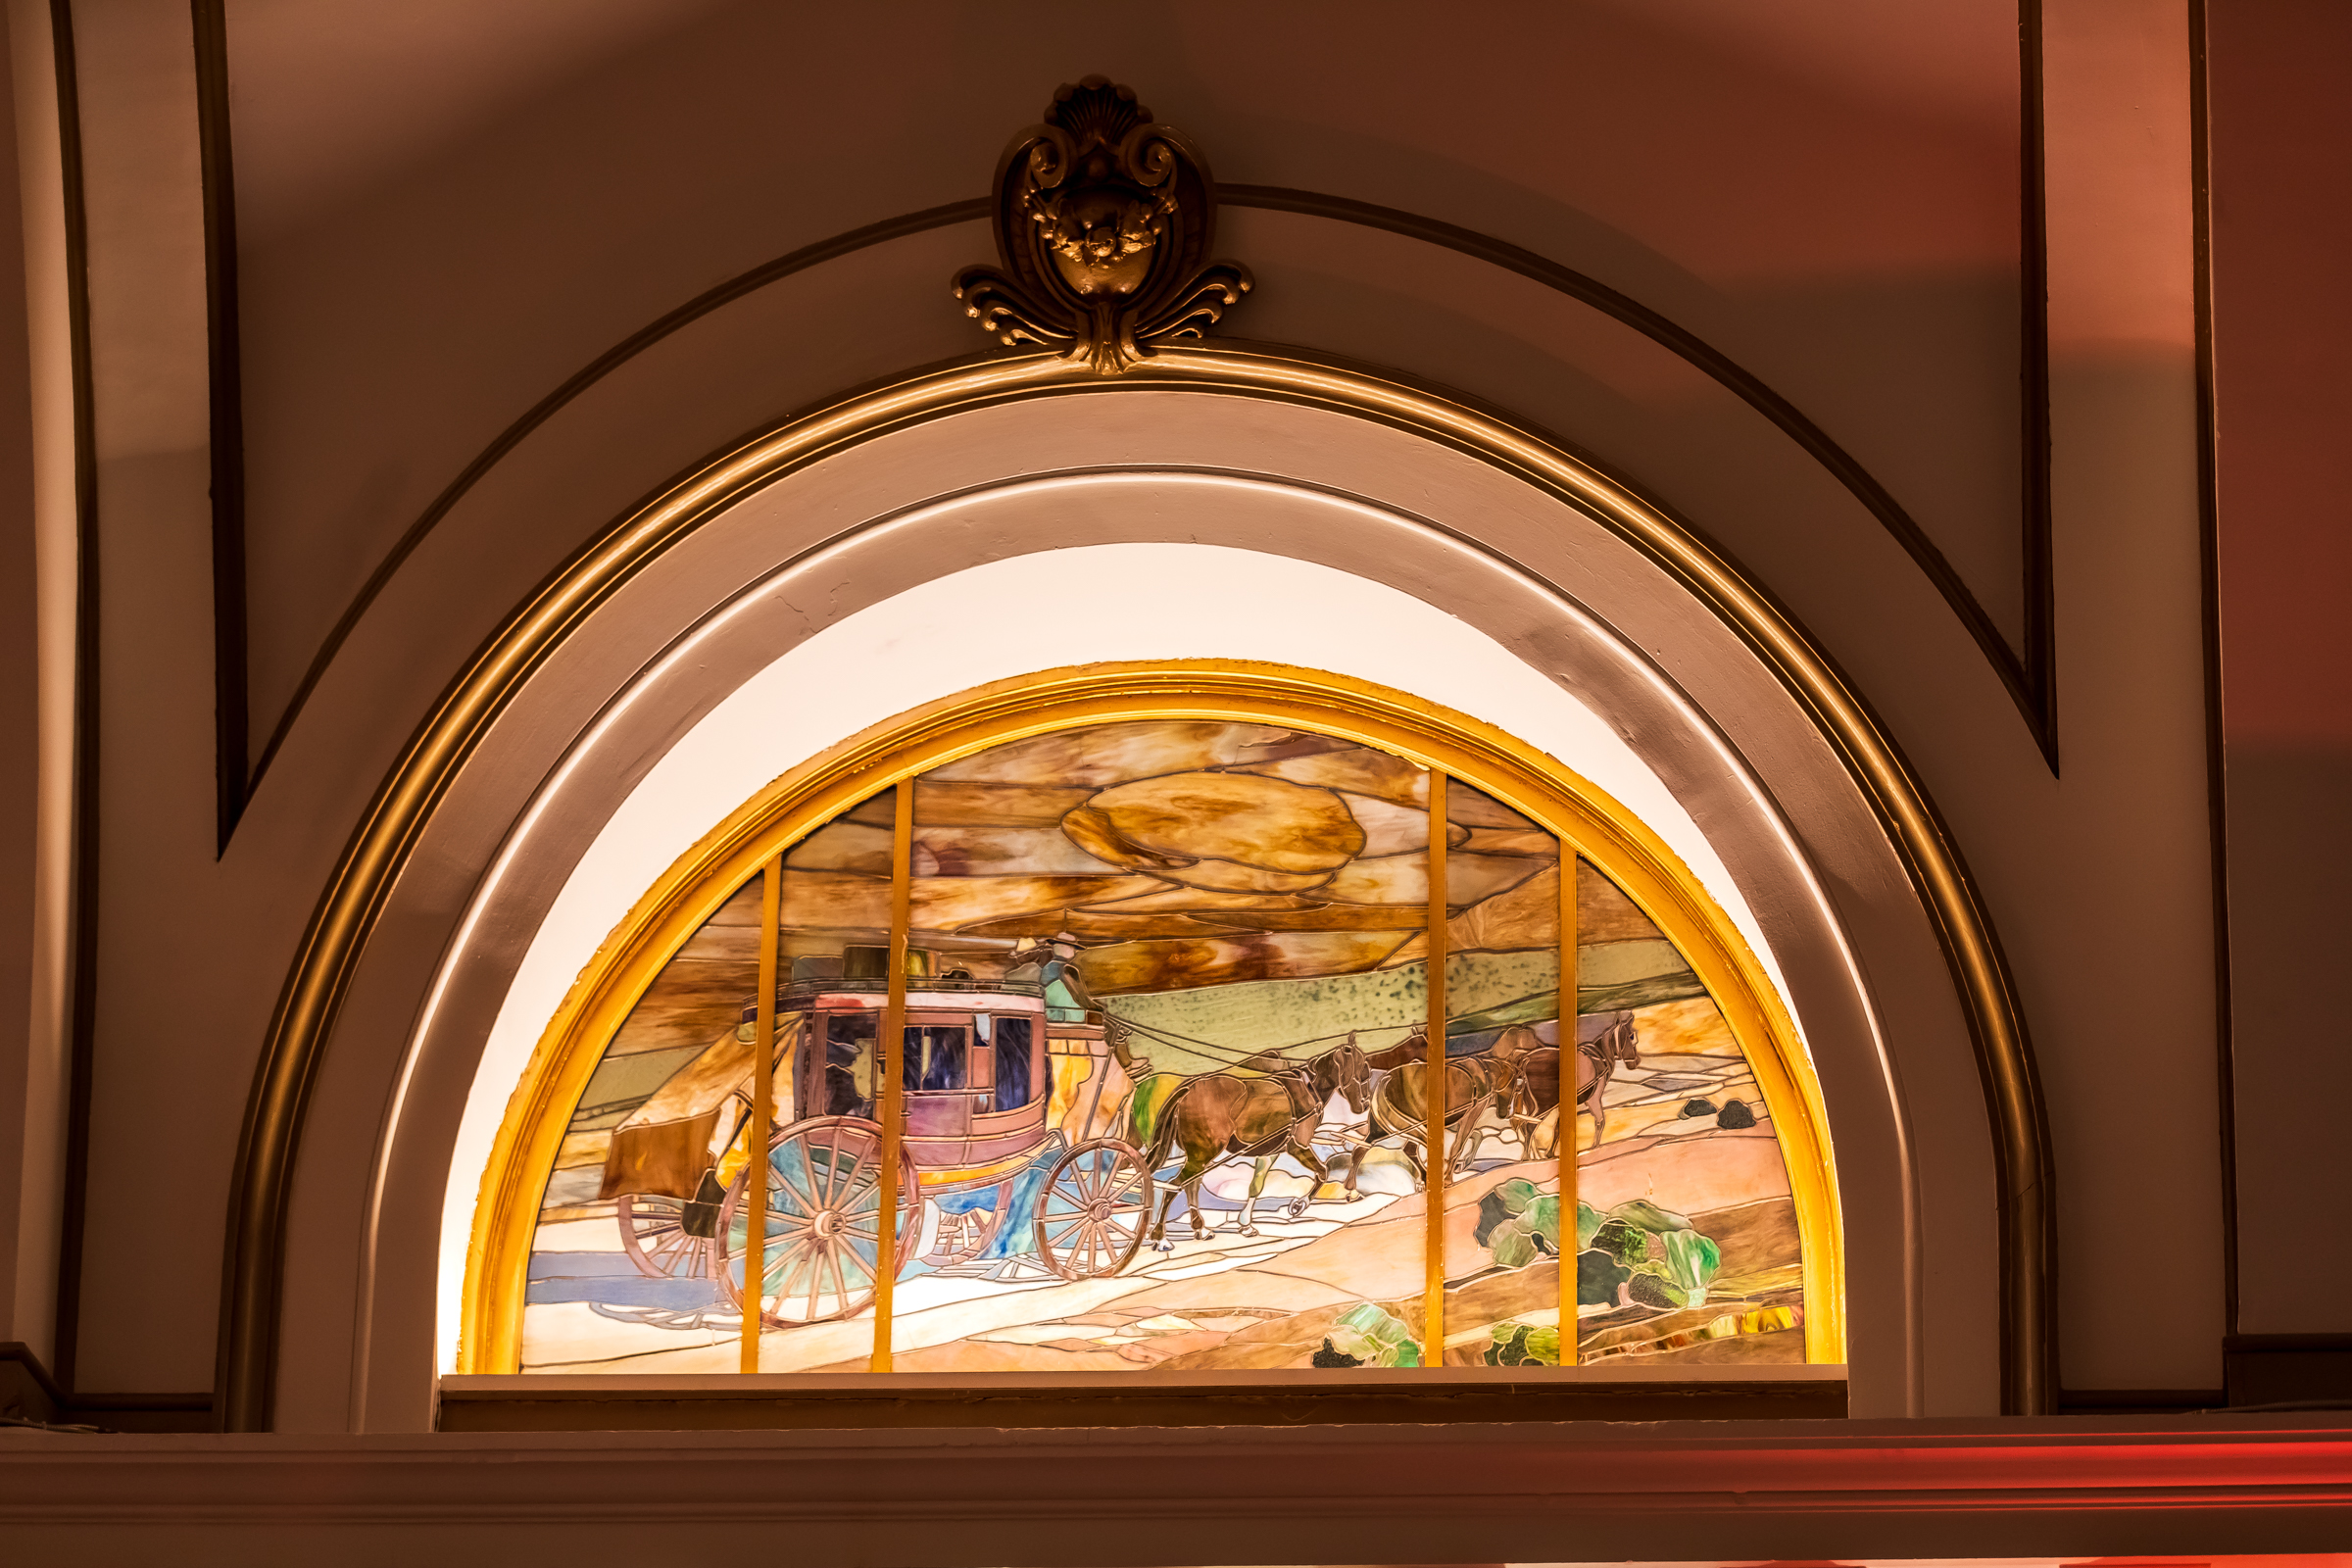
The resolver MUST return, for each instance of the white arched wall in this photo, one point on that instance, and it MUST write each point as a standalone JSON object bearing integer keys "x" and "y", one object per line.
{"x": 1173, "y": 601}
{"x": 1793, "y": 843}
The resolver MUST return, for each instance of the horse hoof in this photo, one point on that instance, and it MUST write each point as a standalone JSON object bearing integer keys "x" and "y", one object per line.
{"x": 1163, "y": 1247}
{"x": 1249, "y": 1229}
{"x": 1296, "y": 1208}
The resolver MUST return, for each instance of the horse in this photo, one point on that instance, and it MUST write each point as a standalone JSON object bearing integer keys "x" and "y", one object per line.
{"x": 1533, "y": 1070}
{"x": 1613, "y": 1043}
{"x": 1604, "y": 1043}
{"x": 1221, "y": 1114}
{"x": 1518, "y": 1071}
{"x": 1472, "y": 1083}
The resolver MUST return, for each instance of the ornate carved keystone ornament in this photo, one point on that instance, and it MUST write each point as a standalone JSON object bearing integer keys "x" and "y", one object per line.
{"x": 1104, "y": 224}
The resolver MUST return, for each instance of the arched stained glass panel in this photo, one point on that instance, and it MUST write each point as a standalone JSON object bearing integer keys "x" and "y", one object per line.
{"x": 1163, "y": 1096}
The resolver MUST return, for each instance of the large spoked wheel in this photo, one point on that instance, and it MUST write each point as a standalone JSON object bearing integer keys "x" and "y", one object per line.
{"x": 1093, "y": 1211}
{"x": 652, "y": 1232}
{"x": 824, "y": 1222}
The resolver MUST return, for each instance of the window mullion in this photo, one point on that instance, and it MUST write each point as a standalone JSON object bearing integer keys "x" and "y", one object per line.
{"x": 758, "y": 1128}
{"x": 889, "y": 1051}
{"x": 1434, "y": 1097}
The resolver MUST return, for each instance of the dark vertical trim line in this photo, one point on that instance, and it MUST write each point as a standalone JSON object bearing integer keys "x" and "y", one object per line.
{"x": 2041, "y": 653}
{"x": 2209, "y": 534}
{"x": 230, "y": 715}
{"x": 2039, "y": 659}
{"x": 82, "y": 955}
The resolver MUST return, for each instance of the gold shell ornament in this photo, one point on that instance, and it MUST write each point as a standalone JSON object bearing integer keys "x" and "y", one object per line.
{"x": 1103, "y": 221}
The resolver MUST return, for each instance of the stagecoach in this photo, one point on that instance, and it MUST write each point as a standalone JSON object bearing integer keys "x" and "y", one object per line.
{"x": 1009, "y": 1158}
{"x": 997, "y": 1167}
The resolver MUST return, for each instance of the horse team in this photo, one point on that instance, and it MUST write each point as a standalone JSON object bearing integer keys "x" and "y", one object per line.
{"x": 1270, "y": 1106}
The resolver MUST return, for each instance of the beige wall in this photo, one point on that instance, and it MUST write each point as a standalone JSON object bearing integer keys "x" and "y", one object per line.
{"x": 450, "y": 208}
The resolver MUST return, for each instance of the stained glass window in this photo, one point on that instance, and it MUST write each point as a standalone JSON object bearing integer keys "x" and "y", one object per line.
{"x": 1163, "y": 1096}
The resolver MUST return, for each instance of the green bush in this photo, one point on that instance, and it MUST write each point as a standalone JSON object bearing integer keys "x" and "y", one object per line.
{"x": 1379, "y": 1338}
{"x": 1519, "y": 1224}
{"x": 1522, "y": 1345}
{"x": 1613, "y": 1251}
{"x": 1692, "y": 1262}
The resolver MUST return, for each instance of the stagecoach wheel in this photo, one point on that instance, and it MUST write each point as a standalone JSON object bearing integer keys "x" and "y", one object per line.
{"x": 652, "y": 1232}
{"x": 1092, "y": 1213}
{"x": 824, "y": 1222}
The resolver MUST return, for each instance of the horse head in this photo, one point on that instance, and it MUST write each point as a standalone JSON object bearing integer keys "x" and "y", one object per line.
{"x": 1342, "y": 1070}
{"x": 1623, "y": 1041}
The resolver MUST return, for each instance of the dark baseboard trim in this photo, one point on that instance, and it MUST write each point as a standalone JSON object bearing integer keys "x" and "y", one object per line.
{"x": 27, "y": 1392}
{"x": 2271, "y": 1369}
{"x": 142, "y": 1412}
{"x": 2259, "y": 1344}
{"x": 2138, "y": 1401}
{"x": 654, "y": 1410}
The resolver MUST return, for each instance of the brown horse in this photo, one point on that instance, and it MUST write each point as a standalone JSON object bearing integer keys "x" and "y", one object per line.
{"x": 1604, "y": 1042}
{"x": 1534, "y": 1072}
{"x": 1608, "y": 1041}
{"x": 1400, "y": 1104}
{"x": 1518, "y": 1071}
{"x": 1224, "y": 1114}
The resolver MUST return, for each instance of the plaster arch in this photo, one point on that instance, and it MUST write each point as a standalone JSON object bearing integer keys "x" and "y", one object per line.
{"x": 894, "y": 258}
{"x": 1558, "y": 576}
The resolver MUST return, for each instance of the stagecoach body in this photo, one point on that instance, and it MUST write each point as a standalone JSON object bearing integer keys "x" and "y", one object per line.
{"x": 997, "y": 1084}
{"x": 972, "y": 1069}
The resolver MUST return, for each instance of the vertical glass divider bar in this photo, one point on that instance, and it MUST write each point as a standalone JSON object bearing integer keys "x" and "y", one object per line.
{"x": 759, "y": 1126}
{"x": 1565, "y": 1135}
{"x": 1434, "y": 1090}
{"x": 889, "y": 1051}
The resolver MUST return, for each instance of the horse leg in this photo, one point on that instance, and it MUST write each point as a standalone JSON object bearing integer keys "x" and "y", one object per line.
{"x": 1187, "y": 1180}
{"x": 1466, "y": 1143}
{"x": 1355, "y": 1167}
{"x": 1600, "y": 1094}
{"x": 1466, "y": 1139}
{"x": 1317, "y": 1174}
{"x": 1258, "y": 1183}
{"x": 1159, "y": 1227}
{"x": 1373, "y": 1130}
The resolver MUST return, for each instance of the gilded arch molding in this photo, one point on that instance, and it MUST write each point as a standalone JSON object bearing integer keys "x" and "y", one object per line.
{"x": 403, "y": 806}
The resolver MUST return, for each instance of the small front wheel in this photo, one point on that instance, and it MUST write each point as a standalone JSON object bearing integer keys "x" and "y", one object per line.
{"x": 1093, "y": 1209}
{"x": 656, "y": 1238}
